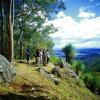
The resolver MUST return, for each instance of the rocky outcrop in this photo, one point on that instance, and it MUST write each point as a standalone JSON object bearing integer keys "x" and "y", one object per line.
{"x": 7, "y": 71}
{"x": 56, "y": 70}
{"x": 71, "y": 73}
{"x": 67, "y": 69}
{"x": 49, "y": 75}
{"x": 56, "y": 73}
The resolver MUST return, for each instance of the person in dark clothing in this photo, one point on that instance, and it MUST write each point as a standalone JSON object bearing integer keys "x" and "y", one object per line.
{"x": 44, "y": 57}
{"x": 37, "y": 56}
{"x": 28, "y": 54}
{"x": 48, "y": 56}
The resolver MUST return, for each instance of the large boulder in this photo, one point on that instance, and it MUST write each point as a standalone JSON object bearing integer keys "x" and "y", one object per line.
{"x": 67, "y": 69}
{"x": 66, "y": 65}
{"x": 72, "y": 74}
{"x": 7, "y": 71}
{"x": 56, "y": 70}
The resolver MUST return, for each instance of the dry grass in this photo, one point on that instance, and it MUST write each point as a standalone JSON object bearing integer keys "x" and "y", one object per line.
{"x": 30, "y": 82}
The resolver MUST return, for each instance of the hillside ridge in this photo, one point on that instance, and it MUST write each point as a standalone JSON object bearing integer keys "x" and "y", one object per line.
{"x": 29, "y": 84}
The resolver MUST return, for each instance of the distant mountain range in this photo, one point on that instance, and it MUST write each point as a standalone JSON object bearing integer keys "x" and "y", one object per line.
{"x": 90, "y": 56}
{"x": 81, "y": 53}
{"x": 88, "y": 53}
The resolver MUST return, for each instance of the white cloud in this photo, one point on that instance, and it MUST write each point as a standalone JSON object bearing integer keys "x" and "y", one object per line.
{"x": 71, "y": 31}
{"x": 88, "y": 44}
{"x": 84, "y": 14}
{"x": 60, "y": 15}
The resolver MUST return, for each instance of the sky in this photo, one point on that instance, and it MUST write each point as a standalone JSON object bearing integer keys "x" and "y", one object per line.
{"x": 79, "y": 24}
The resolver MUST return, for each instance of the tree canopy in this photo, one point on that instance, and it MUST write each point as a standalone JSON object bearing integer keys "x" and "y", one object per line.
{"x": 29, "y": 26}
{"x": 69, "y": 52}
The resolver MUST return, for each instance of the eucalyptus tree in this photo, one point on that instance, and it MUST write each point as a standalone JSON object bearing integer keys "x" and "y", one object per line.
{"x": 30, "y": 16}
{"x": 9, "y": 28}
{"x": 6, "y": 33}
{"x": 1, "y": 27}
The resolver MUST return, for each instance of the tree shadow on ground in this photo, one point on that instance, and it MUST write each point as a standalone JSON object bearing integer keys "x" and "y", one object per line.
{"x": 12, "y": 96}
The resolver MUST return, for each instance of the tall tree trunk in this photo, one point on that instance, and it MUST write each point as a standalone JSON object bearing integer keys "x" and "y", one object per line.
{"x": 21, "y": 36}
{"x": 1, "y": 28}
{"x": 0, "y": 25}
{"x": 21, "y": 46}
{"x": 9, "y": 25}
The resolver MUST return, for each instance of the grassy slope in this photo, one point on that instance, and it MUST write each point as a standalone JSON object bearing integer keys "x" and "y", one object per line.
{"x": 28, "y": 77}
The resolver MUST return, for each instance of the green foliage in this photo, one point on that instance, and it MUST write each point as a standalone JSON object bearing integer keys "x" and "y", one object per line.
{"x": 93, "y": 64}
{"x": 51, "y": 6}
{"x": 88, "y": 77}
{"x": 96, "y": 81}
{"x": 73, "y": 64}
{"x": 79, "y": 67}
{"x": 69, "y": 52}
{"x": 80, "y": 83}
{"x": 92, "y": 81}
{"x": 54, "y": 59}
{"x": 30, "y": 24}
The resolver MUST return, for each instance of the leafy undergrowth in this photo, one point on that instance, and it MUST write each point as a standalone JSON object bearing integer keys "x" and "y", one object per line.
{"x": 29, "y": 84}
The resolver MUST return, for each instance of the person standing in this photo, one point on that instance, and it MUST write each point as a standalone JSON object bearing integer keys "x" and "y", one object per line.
{"x": 41, "y": 56}
{"x": 28, "y": 54}
{"x": 48, "y": 56}
{"x": 35, "y": 55}
{"x": 44, "y": 57}
{"x": 38, "y": 56}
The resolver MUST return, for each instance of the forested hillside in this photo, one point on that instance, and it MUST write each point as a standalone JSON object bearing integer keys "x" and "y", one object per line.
{"x": 23, "y": 23}
{"x": 29, "y": 70}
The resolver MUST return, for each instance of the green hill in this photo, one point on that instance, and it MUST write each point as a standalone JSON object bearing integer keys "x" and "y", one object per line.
{"x": 92, "y": 64}
{"x": 29, "y": 84}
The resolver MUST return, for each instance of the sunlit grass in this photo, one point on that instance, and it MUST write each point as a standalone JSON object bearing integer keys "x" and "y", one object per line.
{"x": 28, "y": 77}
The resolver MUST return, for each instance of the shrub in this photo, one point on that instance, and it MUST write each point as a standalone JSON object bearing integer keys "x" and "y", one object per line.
{"x": 96, "y": 81}
{"x": 54, "y": 59}
{"x": 88, "y": 77}
{"x": 73, "y": 64}
{"x": 79, "y": 67}
{"x": 80, "y": 83}
{"x": 69, "y": 52}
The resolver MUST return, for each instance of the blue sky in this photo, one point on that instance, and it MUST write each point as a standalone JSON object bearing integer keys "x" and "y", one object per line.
{"x": 79, "y": 24}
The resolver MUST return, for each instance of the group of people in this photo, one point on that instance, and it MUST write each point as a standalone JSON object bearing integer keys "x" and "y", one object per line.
{"x": 41, "y": 56}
